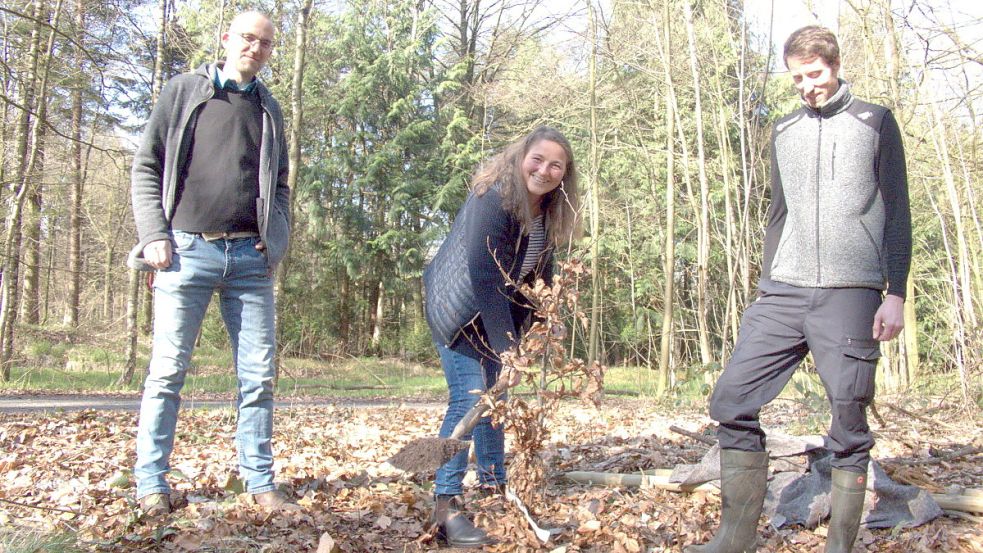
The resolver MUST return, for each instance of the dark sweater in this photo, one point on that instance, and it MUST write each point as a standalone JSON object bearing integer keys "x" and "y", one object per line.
{"x": 470, "y": 306}
{"x": 218, "y": 187}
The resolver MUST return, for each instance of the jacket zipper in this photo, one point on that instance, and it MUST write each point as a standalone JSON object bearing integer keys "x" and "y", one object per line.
{"x": 819, "y": 158}
{"x": 270, "y": 169}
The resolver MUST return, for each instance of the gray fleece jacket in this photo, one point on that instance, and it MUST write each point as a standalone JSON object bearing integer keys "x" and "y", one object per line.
{"x": 839, "y": 215}
{"x": 163, "y": 152}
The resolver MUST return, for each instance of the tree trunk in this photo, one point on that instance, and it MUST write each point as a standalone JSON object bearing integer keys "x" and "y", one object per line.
{"x": 377, "y": 316}
{"x": 908, "y": 342}
{"x": 669, "y": 248}
{"x": 744, "y": 248}
{"x": 107, "y": 286}
{"x": 31, "y": 229}
{"x": 631, "y": 278}
{"x": 133, "y": 294}
{"x": 959, "y": 340}
{"x": 133, "y": 283}
{"x": 733, "y": 315}
{"x": 910, "y": 335}
{"x": 595, "y": 207}
{"x": 30, "y": 304}
{"x": 49, "y": 271}
{"x": 22, "y": 172}
{"x": 703, "y": 228}
{"x": 71, "y": 318}
{"x": 344, "y": 306}
{"x": 296, "y": 126}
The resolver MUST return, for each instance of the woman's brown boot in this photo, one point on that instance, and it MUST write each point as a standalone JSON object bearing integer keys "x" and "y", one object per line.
{"x": 453, "y": 525}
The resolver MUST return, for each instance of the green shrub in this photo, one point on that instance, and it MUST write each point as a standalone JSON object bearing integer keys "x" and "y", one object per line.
{"x": 93, "y": 359}
{"x": 39, "y": 348}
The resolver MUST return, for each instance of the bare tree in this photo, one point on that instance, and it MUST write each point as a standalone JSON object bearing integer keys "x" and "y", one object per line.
{"x": 669, "y": 247}
{"x": 30, "y": 305}
{"x": 133, "y": 283}
{"x": 296, "y": 121}
{"x": 594, "y": 203}
{"x": 23, "y": 170}
{"x": 703, "y": 226}
{"x": 71, "y": 317}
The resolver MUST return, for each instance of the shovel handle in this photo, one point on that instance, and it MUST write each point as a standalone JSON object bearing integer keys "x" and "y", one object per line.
{"x": 470, "y": 419}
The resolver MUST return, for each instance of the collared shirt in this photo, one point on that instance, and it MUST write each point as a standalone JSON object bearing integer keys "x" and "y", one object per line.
{"x": 221, "y": 81}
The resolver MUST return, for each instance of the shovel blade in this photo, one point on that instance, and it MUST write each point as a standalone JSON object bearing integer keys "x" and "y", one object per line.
{"x": 425, "y": 455}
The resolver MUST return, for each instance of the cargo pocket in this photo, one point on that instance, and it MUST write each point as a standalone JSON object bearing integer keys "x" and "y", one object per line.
{"x": 861, "y": 357}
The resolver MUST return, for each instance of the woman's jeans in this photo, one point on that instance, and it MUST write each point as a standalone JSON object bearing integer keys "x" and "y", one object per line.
{"x": 463, "y": 375}
{"x": 240, "y": 274}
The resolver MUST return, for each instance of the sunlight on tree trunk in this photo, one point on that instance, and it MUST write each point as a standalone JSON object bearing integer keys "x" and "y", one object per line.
{"x": 703, "y": 227}
{"x": 593, "y": 163}
{"x": 71, "y": 318}
{"x": 669, "y": 247}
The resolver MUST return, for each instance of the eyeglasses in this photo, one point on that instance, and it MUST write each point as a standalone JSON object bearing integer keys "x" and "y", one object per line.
{"x": 253, "y": 40}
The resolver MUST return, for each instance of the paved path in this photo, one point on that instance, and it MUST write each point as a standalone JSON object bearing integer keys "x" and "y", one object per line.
{"x": 65, "y": 402}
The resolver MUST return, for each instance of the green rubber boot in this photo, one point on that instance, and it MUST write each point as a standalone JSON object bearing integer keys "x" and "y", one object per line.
{"x": 846, "y": 506}
{"x": 743, "y": 484}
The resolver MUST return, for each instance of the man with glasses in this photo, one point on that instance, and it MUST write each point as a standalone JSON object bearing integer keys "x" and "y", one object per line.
{"x": 210, "y": 201}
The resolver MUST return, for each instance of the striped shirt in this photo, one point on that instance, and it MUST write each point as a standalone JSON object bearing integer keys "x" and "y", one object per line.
{"x": 537, "y": 243}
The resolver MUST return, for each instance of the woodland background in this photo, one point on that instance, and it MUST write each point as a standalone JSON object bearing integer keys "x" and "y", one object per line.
{"x": 390, "y": 105}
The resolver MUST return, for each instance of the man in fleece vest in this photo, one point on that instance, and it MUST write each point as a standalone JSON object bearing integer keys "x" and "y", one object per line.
{"x": 836, "y": 257}
{"x": 210, "y": 201}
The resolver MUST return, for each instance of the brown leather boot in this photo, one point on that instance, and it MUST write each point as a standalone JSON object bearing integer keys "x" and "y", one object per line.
{"x": 846, "y": 506}
{"x": 743, "y": 484}
{"x": 453, "y": 525}
{"x": 275, "y": 500}
{"x": 155, "y": 505}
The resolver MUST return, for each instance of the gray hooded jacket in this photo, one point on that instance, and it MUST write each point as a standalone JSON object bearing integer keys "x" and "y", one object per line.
{"x": 163, "y": 152}
{"x": 839, "y": 215}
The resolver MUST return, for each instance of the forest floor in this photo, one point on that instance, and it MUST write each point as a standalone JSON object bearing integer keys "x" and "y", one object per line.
{"x": 66, "y": 477}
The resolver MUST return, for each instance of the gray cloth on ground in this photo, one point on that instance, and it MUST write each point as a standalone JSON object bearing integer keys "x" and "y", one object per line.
{"x": 796, "y": 498}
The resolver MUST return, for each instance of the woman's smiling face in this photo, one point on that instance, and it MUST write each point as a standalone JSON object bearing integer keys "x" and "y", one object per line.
{"x": 543, "y": 168}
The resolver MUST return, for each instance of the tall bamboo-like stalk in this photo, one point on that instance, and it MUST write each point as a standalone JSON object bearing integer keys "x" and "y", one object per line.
{"x": 703, "y": 227}
{"x": 908, "y": 344}
{"x": 964, "y": 289}
{"x": 595, "y": 201}
{"x": 669, "y": 247}
{"x": 743, "y": 247}
{"x": 959, "y": 327}
{"x": 731, "y": 319}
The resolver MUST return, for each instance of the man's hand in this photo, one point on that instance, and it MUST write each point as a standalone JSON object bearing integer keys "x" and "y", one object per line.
{"x": 157, "y": 254}
{"x": 260, "y": 246}
{"x": 889, "y": 319}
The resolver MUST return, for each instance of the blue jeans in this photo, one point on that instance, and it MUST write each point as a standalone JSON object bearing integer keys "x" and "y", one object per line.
{"x": 241, "y": 275}
{"x": 464, "y": 374}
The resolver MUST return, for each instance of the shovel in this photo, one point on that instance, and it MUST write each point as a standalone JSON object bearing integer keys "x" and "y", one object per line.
{"x": 424, "y": 455}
